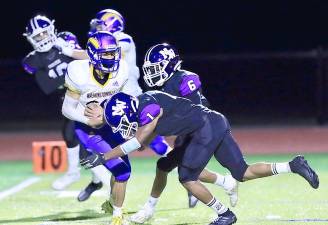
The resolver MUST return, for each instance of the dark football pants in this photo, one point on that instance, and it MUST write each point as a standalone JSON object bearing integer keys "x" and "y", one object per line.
{"x": 68, "y": 132}
{"x": 214, "y": 138}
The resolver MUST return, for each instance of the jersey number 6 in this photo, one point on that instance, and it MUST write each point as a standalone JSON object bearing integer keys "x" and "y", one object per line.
{"x": 191, "y": 85}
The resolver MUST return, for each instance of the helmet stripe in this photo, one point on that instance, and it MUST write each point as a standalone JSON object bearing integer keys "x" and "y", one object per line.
{"x": 148, "y": 53}
{"x": 35, "y": 23}
{"x": 94, "y": 42}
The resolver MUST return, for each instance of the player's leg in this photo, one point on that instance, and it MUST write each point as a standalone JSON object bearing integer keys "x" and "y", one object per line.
{"x": 164, "y": 166}
{"x": 227, "y": 182}
{"x": 230, "y": 156}
{"x": 100, "y": 174}
{"x": 120, "y": 169}
{"x": 73, "y": 172}
{"x": 188, "y": 178}
{"x": 199, "y": 151}
{"x": 121, "y": 172}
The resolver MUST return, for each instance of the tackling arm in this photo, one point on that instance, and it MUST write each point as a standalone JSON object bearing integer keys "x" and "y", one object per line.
{"x": 79, "y": 54}
{"x": 143, "y": 135}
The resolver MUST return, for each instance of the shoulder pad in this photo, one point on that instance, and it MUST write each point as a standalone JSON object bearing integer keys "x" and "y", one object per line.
{"x": 77, "y": 74}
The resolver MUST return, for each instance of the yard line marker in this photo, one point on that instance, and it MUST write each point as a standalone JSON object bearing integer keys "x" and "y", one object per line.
{"x": 19, "y": 187}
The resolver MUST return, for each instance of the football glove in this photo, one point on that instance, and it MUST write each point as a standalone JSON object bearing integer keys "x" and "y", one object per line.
{"x": 93, "y": 160}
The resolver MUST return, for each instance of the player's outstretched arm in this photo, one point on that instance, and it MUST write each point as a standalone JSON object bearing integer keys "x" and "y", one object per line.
{"x": 142, "y": 136}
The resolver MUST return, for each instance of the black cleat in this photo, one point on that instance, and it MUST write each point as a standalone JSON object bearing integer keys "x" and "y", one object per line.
{"x": 86, "y": 193}
{"x": 300, "y": 166}
{"x": 192, "y": 200}
{"x": 226, "y": 218}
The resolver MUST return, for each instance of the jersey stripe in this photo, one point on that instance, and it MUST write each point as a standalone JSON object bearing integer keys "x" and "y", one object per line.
{"x": 126, "y": 40}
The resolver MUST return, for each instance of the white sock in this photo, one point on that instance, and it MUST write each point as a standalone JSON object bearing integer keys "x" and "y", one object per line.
{"x": 100, "y": 173}
{"x": 277, "y": 168}
{"x": 73, "y": 159}
{"x": 217, "y": 206}
{"x": 117, "y": 211}
{"x": 219, "y": 180}
{"x": 152, "y": 202}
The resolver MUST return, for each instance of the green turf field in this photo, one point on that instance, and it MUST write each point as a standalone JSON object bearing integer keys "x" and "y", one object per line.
{"x": 284, "y": 199}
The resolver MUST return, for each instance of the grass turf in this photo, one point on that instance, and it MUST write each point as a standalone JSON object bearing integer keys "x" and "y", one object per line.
{"x": 283, "y": 199}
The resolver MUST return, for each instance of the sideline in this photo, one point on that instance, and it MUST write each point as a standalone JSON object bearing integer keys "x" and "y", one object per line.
{"x": 19, "y": 187}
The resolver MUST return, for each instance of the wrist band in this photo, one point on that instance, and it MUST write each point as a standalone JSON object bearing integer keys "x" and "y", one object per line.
{"x": 130, "y": 145}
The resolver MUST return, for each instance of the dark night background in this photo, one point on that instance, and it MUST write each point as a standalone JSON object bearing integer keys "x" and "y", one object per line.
{"x": 207, "y": 34}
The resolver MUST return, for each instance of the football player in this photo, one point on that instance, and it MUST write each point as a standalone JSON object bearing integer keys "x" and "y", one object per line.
{"x": 208, "y": 134}
{"x": 48, "y": 63}
{"x": 162, "y": 70}
{"x": 92, "y": 81}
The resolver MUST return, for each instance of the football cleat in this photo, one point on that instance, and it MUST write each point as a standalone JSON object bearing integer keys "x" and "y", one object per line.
{"x": 300, "y": 166}
{"x": 231, "y": 188}
{"x": 226, "y": 218}
{"x": 117, "y": 220}
{"x": 107, "y": 206}
{"x": 143, "y": 215}
{"x": 64, "y": 181}
{"x": 86, "y": 193}
{"x": 192, "y": 200}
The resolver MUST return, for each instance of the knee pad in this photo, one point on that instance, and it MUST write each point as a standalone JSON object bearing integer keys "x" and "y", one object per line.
{"x": 166, "y": 164}
{"x": 187, "y": 174}
{"x": 123, "y": 177}
{"x": 121, "y": 171}
{"x": 159, "y": 146}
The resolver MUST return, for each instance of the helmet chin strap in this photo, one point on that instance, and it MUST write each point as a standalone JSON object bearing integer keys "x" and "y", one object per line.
{"x": 160, "y": 83}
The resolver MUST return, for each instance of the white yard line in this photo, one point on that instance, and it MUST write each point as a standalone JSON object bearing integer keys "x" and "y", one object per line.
{"x": 19, "y": 187}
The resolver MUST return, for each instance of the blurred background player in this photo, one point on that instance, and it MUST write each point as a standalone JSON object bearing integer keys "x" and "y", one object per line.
{"x": 112, "y": 21}
{"x": 92, "y": 81}
{"x": 48, "y": 63}
{"x": 162, "y": 71}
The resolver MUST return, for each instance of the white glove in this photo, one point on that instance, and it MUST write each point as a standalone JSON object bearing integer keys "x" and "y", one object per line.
{"x": 64, "y": 47}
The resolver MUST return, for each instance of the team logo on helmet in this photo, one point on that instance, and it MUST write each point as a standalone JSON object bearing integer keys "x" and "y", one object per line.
{"x": 121, "y": 114}
{"x": 161, "y": 61}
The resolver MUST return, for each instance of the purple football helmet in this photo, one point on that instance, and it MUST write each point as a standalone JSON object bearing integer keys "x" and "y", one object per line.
{"x": 161, "y": 61}
{"x": 40, "y": 32}
{"x": 104, "y": 52}
{"x": 120, "y": 113}
{"x": 107, "y": 20}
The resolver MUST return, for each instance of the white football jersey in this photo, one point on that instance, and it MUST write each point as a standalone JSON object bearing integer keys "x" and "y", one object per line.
{"x": 128, "y": 49}
{"x": 80, "y": 79}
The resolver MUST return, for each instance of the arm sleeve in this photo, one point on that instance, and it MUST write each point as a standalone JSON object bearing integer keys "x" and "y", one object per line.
{"x": 29, "y": 65}
{"x": 72, "y": 111}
